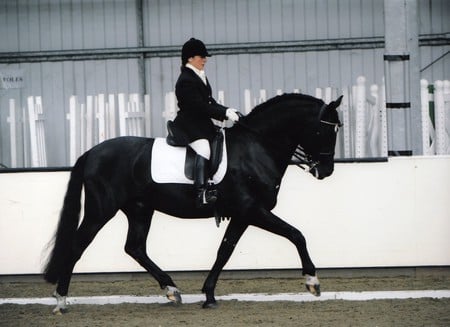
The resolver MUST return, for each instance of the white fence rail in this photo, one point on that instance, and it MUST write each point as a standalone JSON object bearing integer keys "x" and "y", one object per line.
{"x": 435, "y": 117}
{"x": 363, "y": 113}
{"x": 27, "y": 133}
{"x": 101, "y": 117}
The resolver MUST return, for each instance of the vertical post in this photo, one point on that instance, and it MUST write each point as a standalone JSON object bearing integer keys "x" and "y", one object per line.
{"x": 170, "y": 110}
{"x": 100, "y": 100}
{"x": 12, "y": 132}
{"x": 382, "y": 108}
{"x": 345, "y": 107}
{"x": 402, "y": 76}
{"x": 360, "y": 128}
{"x": 71, "y": 116}
{"x": 40, "y": 129}
{"x": 221, "y": 97}
{"x": 426, "y": 123}
{"x": 122, "y": 115}
{"x": 263, "y": 96}
{"x": 374, "y": 122}
{"x": 82, "y": 128}
{"x": 247, "y": 101}
{"x": 32, "y": 117}
{"x": 90, "y": 137}
{"x": 111, "y": 116}
{"x": 148, "y": 120}
{"x": 439, "y": 112}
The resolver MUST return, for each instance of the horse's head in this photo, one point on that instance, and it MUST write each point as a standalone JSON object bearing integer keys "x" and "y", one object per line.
{"x": 317, "y": 151}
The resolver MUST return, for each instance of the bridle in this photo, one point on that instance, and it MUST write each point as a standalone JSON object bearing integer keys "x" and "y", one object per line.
{"x": 308, "y": 162}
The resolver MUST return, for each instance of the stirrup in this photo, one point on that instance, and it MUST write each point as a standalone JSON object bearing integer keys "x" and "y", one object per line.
{"x": 206, "y": 197}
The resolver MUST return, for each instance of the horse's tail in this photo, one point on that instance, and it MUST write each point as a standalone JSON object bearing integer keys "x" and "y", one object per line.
{"x": 68, "y": 224}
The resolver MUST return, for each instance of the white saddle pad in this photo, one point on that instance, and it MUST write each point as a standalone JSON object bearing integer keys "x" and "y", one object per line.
{"x": 168, "y": 164}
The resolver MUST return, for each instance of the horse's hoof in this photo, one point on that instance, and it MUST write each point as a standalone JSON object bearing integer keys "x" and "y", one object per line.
{"x": 59, "y": 311}
{"x": 314, "y": 289}
{"x": 210, "y": 305}
{"x": 174, "y": 295}
{"x": 313, "y": 285}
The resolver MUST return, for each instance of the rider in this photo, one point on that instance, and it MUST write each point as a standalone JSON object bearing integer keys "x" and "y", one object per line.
{"x": 197, "y": 107}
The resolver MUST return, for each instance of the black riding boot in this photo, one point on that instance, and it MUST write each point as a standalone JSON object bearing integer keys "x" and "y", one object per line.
{"x": 205, "y": 195}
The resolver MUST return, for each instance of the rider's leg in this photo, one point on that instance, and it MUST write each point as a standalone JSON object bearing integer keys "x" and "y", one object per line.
{"x": 201, "y": 172}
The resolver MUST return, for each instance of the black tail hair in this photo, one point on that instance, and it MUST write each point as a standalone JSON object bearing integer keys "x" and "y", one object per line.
{"x": 68, "y": 224}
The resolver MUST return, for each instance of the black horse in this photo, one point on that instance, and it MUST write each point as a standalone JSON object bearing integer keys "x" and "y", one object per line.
{"x": 116, "y": 176}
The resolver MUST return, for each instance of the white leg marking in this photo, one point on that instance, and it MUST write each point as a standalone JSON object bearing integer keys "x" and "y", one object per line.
{"x": 312, "y": 280}
{"x": 61, "y": 304}
{"x": 173, "y": 294}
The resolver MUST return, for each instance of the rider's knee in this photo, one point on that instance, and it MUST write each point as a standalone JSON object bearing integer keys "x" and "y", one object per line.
{"x": 201, "y": 147}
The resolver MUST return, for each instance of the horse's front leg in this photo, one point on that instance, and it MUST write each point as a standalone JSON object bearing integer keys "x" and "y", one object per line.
{"x": 232, "y": 235}
{"x": 271, "y": 223}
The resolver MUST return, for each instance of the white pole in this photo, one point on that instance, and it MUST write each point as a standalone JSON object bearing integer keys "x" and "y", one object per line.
{"x": 424, "y": 102}
{"x": 122, "y": 112}
{"x": 101, "y": 118}
{"x": 90, "y": 122}
{"x": 382, "y": 108}
{"x": 32, "y": 117}
{"x": 262, "y": 96}
{"x": 439, "y": 121}
{"x": 148, "y": 116}
{"x": 41, "y": 133}
{"x": 247, "y": 101}
{"x": 12, "y": 132}
{"x": 72, "y": 129}
{"x": 360, "y": 130}
{"x": 111, "y": 116}
{"x": 345, "y": 108}
{"x": 374, "y": 122}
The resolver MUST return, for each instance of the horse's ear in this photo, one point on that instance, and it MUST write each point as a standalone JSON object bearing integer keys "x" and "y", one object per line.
{"x": 336, "y": 103}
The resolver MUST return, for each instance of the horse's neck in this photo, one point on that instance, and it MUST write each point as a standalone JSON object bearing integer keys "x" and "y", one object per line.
{"x": 278, "y": 128}
{"x": 271, "y": 144}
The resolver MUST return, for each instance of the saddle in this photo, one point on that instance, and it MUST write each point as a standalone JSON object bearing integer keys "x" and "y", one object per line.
{"x": 177, "y": 137}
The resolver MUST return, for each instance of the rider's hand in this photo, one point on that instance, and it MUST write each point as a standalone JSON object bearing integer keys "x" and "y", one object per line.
{"x": 232, "y": 115}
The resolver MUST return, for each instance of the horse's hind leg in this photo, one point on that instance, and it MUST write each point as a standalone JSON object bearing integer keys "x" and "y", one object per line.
{"x": 97, "y": 213}
{"x": 271, "y": 223}
{"x": 84, "y": 236}
{"x": 139, "y": 221}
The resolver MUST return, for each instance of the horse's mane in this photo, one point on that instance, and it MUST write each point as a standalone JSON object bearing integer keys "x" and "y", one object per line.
{"x": 282, "y": 98}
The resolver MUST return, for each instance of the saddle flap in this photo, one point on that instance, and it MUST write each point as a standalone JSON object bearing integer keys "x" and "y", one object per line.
{"x": 216, "y": 152}
{"x": 189, "y": 163}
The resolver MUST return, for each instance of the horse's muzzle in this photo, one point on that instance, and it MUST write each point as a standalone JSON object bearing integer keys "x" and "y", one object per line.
{"x": 322, "y": 171}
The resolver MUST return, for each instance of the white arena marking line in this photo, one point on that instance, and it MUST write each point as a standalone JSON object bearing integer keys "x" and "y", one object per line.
{"x": 252, "y": 297}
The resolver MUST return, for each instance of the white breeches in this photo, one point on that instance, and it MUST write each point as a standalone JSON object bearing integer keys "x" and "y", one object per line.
{"x": 201, "y": 147}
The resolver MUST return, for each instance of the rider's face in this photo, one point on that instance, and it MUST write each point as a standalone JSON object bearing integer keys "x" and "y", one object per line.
{"x": 198, "y": 62}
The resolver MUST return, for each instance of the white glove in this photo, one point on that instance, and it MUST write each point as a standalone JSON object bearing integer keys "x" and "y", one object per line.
{"x": 232, "y": 115}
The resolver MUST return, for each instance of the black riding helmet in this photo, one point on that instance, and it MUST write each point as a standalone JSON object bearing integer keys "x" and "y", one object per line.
{"x": 193, "y": 48}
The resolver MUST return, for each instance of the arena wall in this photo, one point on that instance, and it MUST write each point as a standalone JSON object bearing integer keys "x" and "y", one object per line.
{"x": 380, "y": 214}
